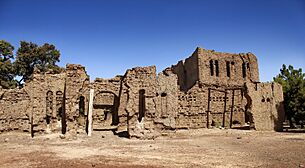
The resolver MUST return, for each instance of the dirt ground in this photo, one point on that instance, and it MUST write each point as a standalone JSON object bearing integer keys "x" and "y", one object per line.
{"x": 187, "y": 148}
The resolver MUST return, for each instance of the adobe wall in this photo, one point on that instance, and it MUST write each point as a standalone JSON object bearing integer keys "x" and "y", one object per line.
{"x": 166, "y": 101}
{"x": 226, "y": 107}
{"x": 187, "y": 71}
{"x": 267, "y": 105}
{"x": 106, "y": 103}
{"x": 46, "y": 94}
{"x": 208, "y": 89}
{"x": 203, "y": 106}
{"x": 192, "y": 107}
{"x": 218, "y": 68}
{"x": 179, "y": 70}
{"x": 140, "y": 84}
{"x": 77, "y": 88}
{"x": 14, "y": 110}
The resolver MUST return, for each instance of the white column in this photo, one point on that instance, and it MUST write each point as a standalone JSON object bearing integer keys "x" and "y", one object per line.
{"x": 90, "y": 112}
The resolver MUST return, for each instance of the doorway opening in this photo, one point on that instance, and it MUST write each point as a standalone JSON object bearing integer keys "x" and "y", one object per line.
{"x": 141, "y": 104}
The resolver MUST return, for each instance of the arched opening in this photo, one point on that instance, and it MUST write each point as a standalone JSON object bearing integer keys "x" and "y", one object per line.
{"x": 217, "y": 68}
{"x": 228, "y": 69}
{"x": 81, "y": 110}
{"x": 59, "y": 99}
{"x": 211, "y": 68}
{"x": 244, "y": 68}
{"x": 163, "y": 103}
{"x": 141, "y": 105}
{"x": 105, "y": 110}
{"x": 49, "y": 106}
{"x": 248, "y": 112}
{"x": 81, "y": 105}
{"x": 163, "y": 94}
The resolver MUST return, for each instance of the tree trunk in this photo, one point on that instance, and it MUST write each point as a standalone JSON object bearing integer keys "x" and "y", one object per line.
{"x": 291, "y": 125}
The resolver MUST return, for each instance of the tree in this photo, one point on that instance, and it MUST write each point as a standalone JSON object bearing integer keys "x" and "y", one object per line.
{"x": 7, "y": 73}
{"x": 293, "y": 84}
{"x": 31, "y": 56}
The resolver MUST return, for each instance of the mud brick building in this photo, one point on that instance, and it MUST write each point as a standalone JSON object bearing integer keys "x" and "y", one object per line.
{"x": 208, "y": 89}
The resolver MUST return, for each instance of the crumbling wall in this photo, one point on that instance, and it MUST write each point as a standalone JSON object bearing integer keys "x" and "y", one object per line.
{"x": 267, "y": 105}
{"x": 237, "y": 100}
{"x": 192, "y": 107}
{"x": 14, "y": 110}
{"x": 76, "y": 91}
{"x": 140, "y": 84}
{"x": 106, "y": 103}
{"x": 187, "y": 71}
{"x": 166, "y": 101}
{"x": 179, "y": 70}
{"x": 208, "y": 89}
{"x": 191, "y": 71}
{"x": 278, "y": 108}
{"x": 46, "y": 93}
{"x": 225, "y": 69}
{"x": 210, "y": 106}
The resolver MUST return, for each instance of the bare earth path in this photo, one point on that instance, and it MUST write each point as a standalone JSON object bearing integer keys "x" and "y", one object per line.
{"x": 192, "y": 148}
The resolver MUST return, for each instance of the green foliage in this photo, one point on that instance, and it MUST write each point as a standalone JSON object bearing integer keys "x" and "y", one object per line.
{"x": 30, "y": 56}
{"x": 6, "y": 51}
{"x": 6, "y": 67}
{"x": 293, "y": 83}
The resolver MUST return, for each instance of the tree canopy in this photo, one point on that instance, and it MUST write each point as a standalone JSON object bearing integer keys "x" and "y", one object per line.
{"x": 293, "y": 83}
{"x": 7, "y": 74}
{"x": 29, "y": 56}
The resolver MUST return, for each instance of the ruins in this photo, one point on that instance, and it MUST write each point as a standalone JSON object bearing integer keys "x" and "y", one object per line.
{"x": 208, "y": 89}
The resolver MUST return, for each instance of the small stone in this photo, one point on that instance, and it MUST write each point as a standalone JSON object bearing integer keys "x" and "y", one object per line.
{"x": 6, "y": 140}
{"x": 62, "y": 136}
{"x": 301, "y": 166}
{"x": 238, "y": 137}
{"x": 103, "y": 136}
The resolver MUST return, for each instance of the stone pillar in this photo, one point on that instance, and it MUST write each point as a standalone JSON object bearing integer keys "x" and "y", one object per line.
{"x": 90, "y": 112}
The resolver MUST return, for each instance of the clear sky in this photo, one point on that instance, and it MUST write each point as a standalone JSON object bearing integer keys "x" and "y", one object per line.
{"x": 110, "y": 36}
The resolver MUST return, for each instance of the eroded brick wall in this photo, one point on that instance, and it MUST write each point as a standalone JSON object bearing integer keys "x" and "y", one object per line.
{"x": 217, "y": 68}
{"x": 267, "y": 105}
{"x": 208, "y": 89}
{"x": 46, "y": 94}
{"x": 14, "y": 110}
{"x": 76, "y": 89}
{"x": 106, "y": 103}
{"x": 166, "y": 101}
{"x": 192, "y": 106}
{"x": 141, "y": 83}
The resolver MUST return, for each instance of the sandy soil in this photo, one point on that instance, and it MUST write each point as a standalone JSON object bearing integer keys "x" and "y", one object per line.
{"x": 187, "y": 148}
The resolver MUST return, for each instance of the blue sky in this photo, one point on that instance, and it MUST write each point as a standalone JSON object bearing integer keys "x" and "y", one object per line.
{"x": 109, "y": 37}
